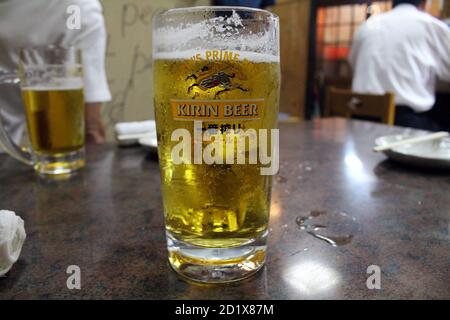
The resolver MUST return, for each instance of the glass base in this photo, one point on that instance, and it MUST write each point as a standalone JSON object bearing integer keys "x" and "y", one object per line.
{"x": 60, "y": 163}
{"x": 216, "y": 265}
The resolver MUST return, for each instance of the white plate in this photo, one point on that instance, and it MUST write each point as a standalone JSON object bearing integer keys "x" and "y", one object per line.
{"x": 431, "y": 154}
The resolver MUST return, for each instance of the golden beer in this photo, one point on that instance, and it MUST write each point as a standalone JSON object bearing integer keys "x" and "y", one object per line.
{"x": 218, "y": 205}
{"x": 51, "y": 80}
{"x": 55, "y": 119}
{"x": 216, "y": 89}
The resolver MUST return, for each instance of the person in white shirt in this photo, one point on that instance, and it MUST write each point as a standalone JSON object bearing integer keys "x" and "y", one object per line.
{"x": 25, "y": 23}
{"x": 403, "y": 51}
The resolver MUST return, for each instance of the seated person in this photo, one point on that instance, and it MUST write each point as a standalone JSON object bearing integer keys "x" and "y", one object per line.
{"x": 403, "y": 51}
{"x": 41, "y": 23}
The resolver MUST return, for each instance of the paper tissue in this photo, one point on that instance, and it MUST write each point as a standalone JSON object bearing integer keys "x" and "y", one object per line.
{"x": 12, "y": 237}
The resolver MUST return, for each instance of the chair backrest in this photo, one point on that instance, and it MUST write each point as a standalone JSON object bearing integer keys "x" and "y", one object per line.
{"x": 345, "y": 103}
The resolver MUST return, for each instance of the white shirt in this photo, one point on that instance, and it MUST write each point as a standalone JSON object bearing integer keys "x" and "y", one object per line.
{"x": 403, "y": 51}
{"x": 25, "y": 23}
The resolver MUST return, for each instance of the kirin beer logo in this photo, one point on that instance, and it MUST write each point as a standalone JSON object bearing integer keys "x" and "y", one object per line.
{"x": 208, "y": 78}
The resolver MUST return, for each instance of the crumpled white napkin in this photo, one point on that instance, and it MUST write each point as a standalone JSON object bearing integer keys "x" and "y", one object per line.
{"x": 135, "y": 128}
{"x": 129, "y": 133}
{"x": 12, "y": 237}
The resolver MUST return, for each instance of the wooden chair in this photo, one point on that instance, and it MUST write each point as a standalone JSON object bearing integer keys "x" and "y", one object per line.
{"x": 345, "y": 103}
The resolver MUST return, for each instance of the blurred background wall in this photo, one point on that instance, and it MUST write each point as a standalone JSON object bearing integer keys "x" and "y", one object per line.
{"x": 129, "y": 57}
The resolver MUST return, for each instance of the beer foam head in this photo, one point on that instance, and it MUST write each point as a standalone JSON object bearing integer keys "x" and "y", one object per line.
{"x": 178, "y": 33}
{"x": 70, "y": 83}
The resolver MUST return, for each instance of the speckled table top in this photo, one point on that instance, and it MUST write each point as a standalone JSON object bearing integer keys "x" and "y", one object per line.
{"x": 108, "y": 220}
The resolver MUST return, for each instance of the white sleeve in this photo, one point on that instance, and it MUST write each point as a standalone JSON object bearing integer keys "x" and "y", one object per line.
{"x": 442, "y": 50}
{"x": 92, "y": 41}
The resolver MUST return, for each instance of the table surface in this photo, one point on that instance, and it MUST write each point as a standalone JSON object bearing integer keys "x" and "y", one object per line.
{"x": 109, "y": 221}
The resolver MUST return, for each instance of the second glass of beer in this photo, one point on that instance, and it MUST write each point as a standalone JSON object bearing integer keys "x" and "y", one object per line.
{"x": 216, "y": 93}
{"x": 51, "y": 82}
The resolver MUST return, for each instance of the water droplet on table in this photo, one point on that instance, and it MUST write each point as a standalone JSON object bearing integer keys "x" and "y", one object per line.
{"x": 334, "y": 228}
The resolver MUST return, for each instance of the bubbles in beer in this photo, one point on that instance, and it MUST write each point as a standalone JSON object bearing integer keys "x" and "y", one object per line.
{"x": 217, "y": 205}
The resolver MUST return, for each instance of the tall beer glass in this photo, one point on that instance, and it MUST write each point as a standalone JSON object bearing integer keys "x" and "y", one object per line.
{"x": 51, "y": 82}
{"x": 216, "y": 76}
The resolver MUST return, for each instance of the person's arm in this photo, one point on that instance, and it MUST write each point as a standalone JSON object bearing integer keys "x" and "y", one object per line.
{"x": 95, "y": 131}
{"x": 91, "y": 39}
{"x": 442, "y": 50}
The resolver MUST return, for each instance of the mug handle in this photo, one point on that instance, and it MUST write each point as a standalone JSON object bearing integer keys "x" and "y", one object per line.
{"x": 6, "y": 142}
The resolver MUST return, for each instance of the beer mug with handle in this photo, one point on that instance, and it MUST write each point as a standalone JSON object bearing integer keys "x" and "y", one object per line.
{"x": 216, "y": 87}
{"x": 51, "y": 83}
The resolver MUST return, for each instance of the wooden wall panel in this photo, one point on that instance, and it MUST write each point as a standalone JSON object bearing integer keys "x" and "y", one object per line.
{"x": 294, "y": 33}
{"x": 446, "y": 9}
{"x": 434, "y": 7}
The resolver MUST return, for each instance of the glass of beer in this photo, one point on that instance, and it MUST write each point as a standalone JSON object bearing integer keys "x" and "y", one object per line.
{"x": 216, "y": 91}
{"x": 51, "y": 83}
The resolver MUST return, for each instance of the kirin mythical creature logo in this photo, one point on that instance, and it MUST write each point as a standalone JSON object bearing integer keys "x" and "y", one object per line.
{"x": 208, "y": 78}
